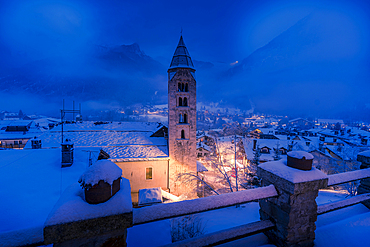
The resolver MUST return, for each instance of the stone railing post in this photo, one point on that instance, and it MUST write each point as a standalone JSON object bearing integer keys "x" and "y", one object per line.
{"x": 294, "y": 211}
{"x": 364, "y": 187}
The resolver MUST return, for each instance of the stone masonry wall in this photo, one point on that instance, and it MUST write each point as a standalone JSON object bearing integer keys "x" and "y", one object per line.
{"x": 182, "y": 152}
{"x": 364, "y": 186}
{"x": 103, "y": 231}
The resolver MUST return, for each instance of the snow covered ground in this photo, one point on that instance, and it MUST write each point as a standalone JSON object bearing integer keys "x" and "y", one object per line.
{"x": 32, "y": 182}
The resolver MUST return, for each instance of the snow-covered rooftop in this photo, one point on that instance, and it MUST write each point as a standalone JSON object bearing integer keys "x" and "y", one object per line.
{"x": 121, "y": 140}
{"x": 365, "y": 153}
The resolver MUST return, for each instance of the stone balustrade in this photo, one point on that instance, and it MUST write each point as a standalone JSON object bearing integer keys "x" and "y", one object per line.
{"x": 288, "y": 211}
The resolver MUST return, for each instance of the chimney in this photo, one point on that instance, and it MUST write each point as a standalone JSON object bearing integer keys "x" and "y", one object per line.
{"x": 35, "y": 143}
{"x": 67, "y": 153}
{"x": 254, "y": 144}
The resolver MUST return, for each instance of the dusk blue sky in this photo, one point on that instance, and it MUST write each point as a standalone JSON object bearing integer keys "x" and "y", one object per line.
{"x": 223, "y": 31}
{"x": 220, "y": 32}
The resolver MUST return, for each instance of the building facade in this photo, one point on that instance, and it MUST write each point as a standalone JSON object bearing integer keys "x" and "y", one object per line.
{"x": 181, "y": 118}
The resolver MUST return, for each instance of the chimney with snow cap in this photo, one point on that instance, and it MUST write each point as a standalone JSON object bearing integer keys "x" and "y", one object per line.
{"x": 300, "y": 160}
{"x": 101, "y": 181}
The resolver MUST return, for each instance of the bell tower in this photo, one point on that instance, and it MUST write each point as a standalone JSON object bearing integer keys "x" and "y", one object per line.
{"x": 181, "y": 118}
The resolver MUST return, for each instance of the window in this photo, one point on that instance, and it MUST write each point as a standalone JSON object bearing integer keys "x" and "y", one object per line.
{"x": 16, "y": 142}
{"x": 181, "y": 120}
{"x": 148, "y": 173}
{"x": 180, "y": 101}
{"x": 182, "y": 134}
{"x": 20, "y": 142}
{"x": 182, "y": 87}
{"x": 185, "y": 103}
{"x": 185, "y": 118}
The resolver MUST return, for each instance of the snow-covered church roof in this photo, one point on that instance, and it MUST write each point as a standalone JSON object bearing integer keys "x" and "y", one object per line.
{"x": 181, "y": 58}
{"x": 123, "y": 141}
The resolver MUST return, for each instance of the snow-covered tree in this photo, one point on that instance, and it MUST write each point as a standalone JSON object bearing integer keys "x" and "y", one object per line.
{"x": 277, "y": 152}
{"x": 189, "y": 226}
{"x": 257, "y": 155}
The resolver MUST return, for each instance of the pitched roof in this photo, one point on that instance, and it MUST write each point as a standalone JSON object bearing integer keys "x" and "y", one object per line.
{"x": 123, "y": 141}
{"x": 181, "y": 58}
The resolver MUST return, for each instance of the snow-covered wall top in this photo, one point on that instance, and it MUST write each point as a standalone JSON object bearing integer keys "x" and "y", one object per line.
{"x": 71, "y": 206}
{"x": 151, "y": 195}
{"x": 300, "y": 155}
{"x": 293, "y": 175}
{"x": 104, "y": 170}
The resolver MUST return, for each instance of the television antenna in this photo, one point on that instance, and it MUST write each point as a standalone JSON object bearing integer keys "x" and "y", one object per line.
{"x": 63, "y": 114}
{"x": 90, "y": 155}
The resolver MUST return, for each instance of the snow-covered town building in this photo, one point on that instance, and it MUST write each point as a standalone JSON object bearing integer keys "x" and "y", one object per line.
{"x": 14, "y": 134}
{"x": 138, "y": 148}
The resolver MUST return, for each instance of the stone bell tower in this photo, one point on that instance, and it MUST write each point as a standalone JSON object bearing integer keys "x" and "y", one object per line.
{"x": 181, "y": 118}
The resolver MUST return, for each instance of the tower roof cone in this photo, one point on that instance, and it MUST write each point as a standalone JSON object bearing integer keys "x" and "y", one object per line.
{"x": 181, "y": 57}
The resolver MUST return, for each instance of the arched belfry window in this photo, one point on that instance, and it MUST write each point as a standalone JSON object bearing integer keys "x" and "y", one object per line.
{"x": 181, "y": 87}
{"x": 185, "y": 118}
{"x": 182, "y": 134}
{"x": 186, "y": 88}
{"x": 185, "y": 103}
{"x": 181, "y": 119}
{"x": 180, "y": 101}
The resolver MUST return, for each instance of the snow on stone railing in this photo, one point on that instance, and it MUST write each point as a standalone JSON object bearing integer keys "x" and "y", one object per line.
{"x": 227, "y": 235}
{"x": 341, "y": 178}
{"x": 171, "y": 210}
{"x": 328, "y": 207}
{"x": 345, "y": 177}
